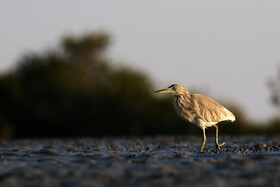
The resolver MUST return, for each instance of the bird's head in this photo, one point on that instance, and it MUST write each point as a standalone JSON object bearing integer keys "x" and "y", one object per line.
{"x": 174, "y": 89}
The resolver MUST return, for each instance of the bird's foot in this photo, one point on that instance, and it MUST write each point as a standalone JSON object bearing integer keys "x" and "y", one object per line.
{"x": 219, "y": 145}
{"x": 202, "y": 148}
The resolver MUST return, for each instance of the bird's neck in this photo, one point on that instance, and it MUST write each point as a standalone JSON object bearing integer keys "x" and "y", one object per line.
{"x": 185, "y": 98}
{"x": 186, "y": 95}
{"x": 183, "y": 92}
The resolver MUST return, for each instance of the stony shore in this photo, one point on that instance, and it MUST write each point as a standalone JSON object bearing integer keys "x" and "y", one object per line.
{"x": 146, "y": 161}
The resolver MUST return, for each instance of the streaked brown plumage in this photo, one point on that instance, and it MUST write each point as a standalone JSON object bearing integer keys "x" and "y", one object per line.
{"x": 200, "y": 110}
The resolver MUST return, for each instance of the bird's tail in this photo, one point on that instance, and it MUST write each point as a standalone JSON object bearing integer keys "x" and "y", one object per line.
{"x": 229, "y": 115}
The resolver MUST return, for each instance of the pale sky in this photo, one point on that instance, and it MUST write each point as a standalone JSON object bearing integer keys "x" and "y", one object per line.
{"x": 227, "y": 49}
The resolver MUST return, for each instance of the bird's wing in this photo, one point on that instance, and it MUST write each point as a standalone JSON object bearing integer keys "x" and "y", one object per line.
{"x": 209, "y": 110}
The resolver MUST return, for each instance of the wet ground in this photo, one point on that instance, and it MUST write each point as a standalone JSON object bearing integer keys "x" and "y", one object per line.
{"x": 147, "y": 161}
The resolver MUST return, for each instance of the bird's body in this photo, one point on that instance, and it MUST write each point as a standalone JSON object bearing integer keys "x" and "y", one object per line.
{"x": 191, "y": 107}
{"x": 200, "y": 110}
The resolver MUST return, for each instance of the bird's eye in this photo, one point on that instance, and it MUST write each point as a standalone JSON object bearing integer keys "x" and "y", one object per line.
{"x": 172, "y": 87}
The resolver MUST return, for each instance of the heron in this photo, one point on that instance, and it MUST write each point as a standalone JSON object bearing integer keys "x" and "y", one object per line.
{"x": 199, "y": 110}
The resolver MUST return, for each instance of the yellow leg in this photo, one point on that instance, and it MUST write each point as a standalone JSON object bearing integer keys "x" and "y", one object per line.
{"x": 217, "y": 141}
{"x": 204, "y": 140}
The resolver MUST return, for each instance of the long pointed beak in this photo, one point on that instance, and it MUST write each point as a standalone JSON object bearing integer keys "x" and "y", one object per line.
{"x": 162, "y": 91}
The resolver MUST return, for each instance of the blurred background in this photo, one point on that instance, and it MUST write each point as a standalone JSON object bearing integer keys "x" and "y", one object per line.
{"x": 89, "y": 68}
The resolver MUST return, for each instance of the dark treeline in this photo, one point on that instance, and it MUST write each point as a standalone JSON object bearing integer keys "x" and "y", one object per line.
{"x": 75, "y": 90}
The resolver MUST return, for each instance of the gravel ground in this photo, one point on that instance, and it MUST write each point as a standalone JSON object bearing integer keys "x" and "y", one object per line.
{"x": 147, "y": 161}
